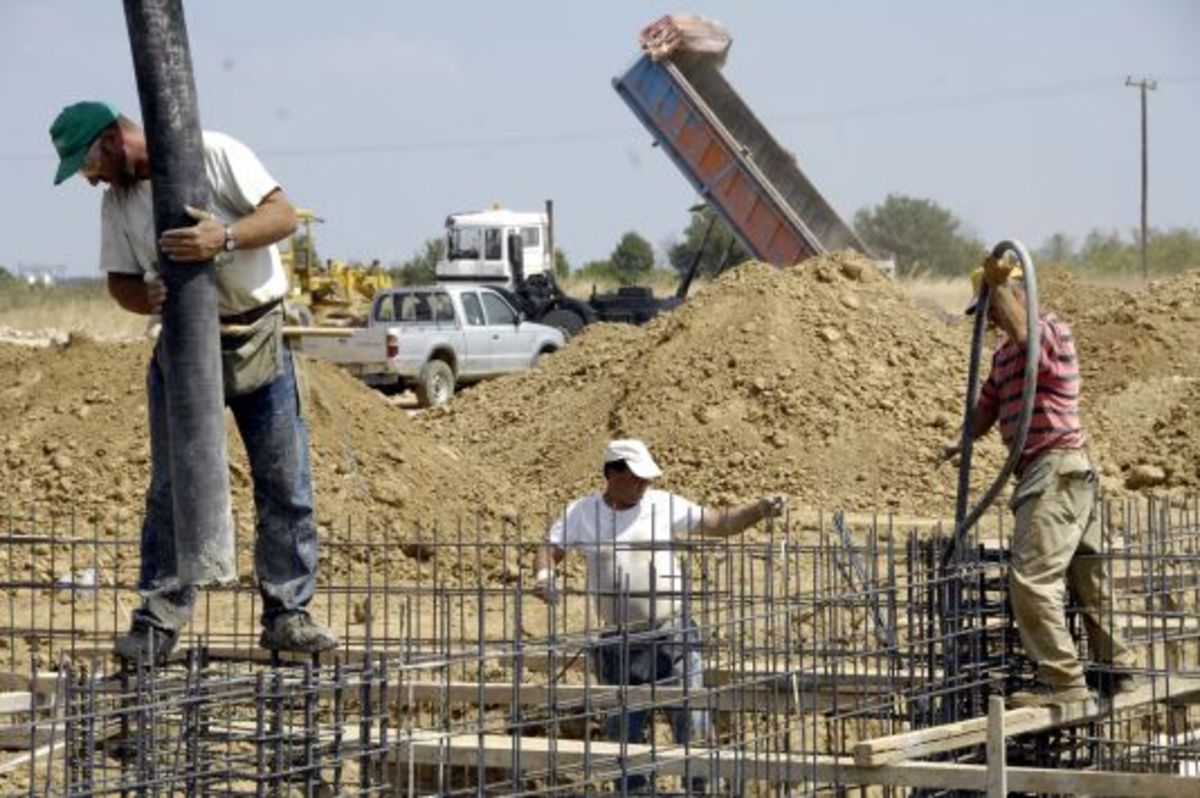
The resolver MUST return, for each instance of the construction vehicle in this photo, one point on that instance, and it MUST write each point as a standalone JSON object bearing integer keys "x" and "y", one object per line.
{"x": 333, "y": 293}
{"x": 512, "y": 251}
{"x": 756, "y": 187}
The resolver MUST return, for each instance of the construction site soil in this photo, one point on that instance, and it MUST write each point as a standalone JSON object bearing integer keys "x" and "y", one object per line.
{"x": 825, "y": 382}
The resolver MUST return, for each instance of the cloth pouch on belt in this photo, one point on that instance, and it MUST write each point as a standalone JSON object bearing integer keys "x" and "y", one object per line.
{"x": 1045, "y": 470}
{"x": 252, "y": 359}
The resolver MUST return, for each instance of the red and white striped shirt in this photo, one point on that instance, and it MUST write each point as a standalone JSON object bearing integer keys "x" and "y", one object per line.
{"x": 1055, "y": 423}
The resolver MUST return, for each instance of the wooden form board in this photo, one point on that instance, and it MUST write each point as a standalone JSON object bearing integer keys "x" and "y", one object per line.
{"x": 603, "y": 761}
{"x": 953, "y": 736}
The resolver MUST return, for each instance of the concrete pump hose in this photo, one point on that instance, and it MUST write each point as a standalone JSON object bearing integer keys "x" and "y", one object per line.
{"x": 964, "y": 521}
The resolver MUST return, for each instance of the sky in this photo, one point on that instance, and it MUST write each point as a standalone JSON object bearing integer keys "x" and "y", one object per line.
{"x": 385, "y": 116}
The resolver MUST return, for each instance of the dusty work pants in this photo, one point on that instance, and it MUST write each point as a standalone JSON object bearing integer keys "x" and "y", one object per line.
{"x": 669, "y": 656}
{"x": 1056, "y": 545}
{"x": 285, "y": 551}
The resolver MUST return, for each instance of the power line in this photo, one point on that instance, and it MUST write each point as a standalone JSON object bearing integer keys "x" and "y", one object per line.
{"x": 917, "y": 106}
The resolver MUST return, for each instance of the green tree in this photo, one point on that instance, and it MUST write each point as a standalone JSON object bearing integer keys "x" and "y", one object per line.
{"x": 421, "y": 267}
{"x": 633, "y": 259}
{"x": 1173, "y": 251}
{"x": 1058, "y": 248}
{"x": 920, "y": 234}
{"x": 722, "y": 248}
{"x": 1105, "y": 253}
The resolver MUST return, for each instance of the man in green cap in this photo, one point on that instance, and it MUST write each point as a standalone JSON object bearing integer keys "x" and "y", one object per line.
{"x": 248, "y": 215}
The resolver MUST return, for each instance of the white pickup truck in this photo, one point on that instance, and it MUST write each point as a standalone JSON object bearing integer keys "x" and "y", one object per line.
{"x": 434, "y": 338}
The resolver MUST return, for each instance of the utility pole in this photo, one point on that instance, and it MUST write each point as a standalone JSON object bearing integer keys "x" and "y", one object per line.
{"x": 1144, "y": 85}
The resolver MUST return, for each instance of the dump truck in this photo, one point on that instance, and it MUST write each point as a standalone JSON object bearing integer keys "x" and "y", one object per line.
{"x": 753, "y": 184}
{"x": 512, "y": 252}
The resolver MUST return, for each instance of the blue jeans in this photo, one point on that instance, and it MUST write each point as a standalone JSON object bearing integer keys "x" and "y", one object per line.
{"x": 285, "y": 551}
{"x": 668, "y": 656}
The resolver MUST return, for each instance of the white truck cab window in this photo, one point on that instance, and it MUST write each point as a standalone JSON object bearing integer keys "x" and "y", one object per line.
{"x": 492, "y": 249}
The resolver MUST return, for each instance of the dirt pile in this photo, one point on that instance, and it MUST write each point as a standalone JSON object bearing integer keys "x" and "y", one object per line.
{"x": 1140, "y": 367}
{"x": 73, "y": 432}
{"x": 824, "y": 382}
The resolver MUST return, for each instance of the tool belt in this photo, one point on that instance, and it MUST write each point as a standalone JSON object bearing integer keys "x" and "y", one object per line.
{"x": 252, "y": 358}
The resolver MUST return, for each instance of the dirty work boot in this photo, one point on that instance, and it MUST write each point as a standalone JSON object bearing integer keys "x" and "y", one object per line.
{"x": 296, "y": 631}
{"x": 149, "y": 645}
{"x": 1044, "y": 695}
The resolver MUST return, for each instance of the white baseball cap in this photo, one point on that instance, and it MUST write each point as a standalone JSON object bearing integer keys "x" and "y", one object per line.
{"x": 635, "y": 454}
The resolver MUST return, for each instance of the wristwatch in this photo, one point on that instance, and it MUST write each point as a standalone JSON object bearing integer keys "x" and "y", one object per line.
{"x": 230, "y": 241}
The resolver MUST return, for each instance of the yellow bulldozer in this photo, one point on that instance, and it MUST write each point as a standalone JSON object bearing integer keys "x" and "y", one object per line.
{"x": 330, "y": 293}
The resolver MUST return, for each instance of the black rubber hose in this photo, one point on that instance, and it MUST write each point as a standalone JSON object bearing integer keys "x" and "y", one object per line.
{"x": 189, "y": 349}
{"x": 965, "y": 520}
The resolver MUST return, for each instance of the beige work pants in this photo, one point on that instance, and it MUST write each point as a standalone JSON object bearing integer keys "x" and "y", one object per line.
{"x": 1056, "y": 546}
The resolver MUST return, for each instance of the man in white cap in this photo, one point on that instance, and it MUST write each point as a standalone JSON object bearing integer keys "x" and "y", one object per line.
{"x": 629, "y": 534}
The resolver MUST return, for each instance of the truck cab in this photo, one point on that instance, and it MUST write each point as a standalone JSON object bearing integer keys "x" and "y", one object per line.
{"x": 479, "y": 247}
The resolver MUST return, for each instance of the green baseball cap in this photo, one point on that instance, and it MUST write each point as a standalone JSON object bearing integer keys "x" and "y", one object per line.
{"x": 73, "y": 132}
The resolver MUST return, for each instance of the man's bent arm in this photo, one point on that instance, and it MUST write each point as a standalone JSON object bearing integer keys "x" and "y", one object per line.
{"x": 725, "y": 523}
{"x": 1010, "y": 315}
{"x": 273, "y": 220}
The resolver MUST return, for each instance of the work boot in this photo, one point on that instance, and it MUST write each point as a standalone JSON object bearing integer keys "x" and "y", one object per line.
{"x": 1045, "y": 695}
{"x": 296, "y": 631}
{"x": 147, "y": 644}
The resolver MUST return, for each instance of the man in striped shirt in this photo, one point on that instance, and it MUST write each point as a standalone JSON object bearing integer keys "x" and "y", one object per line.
{"x": 1056, "y": 542}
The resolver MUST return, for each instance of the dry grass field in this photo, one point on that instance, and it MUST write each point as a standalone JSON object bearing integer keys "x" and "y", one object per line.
{"x": 83, "y": 307}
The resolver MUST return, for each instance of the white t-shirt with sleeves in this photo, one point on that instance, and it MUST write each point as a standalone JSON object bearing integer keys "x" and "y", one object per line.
{"x": 631, "y": 564}
{"x": 246, "y": 278}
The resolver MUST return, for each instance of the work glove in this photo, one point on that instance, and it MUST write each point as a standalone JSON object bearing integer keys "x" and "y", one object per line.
{"x": 996, "y": 271}
{"x": 773, "y": 506}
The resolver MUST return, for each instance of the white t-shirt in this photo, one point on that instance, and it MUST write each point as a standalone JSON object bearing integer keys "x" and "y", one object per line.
{"x": 632, "y": 568}
{"x": 246, "y": 278}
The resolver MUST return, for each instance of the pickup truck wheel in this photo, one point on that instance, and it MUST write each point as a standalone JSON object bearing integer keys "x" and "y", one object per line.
{"x": 435, "y": 386}
{"x": 568, "y": 321}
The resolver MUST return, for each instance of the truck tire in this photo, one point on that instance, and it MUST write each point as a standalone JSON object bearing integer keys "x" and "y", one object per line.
{"x": 564, "y": 319}
{"x": 435, "y": 386}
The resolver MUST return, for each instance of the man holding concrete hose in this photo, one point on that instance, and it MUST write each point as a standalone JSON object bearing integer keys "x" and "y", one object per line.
{"x": 629, "y": 535}
{"x": 249, "y": 214}
{"x": 1056, "y": 544}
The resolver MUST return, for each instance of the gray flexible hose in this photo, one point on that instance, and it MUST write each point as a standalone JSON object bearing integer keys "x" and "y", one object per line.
{"x": 964, "y": 521}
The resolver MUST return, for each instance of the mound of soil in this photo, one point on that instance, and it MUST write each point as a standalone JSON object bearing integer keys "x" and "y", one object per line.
{"x": 824, "y": 382}
{"x": 74, "y": 435}
{"x": 1140, "y": 368}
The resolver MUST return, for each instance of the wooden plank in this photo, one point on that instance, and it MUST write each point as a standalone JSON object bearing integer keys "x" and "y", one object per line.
{"x": 16, "y": 736}
{"x": 20, "y": 701}
{"x": 28, "y": 757}
{"x": 997, "y": 781}
{"x": 952, "y": 736}
{"x": 602, "y": 760}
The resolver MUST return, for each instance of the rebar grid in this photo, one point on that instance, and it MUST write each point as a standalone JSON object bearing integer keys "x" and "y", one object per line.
{"x": 453, "y": 679}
